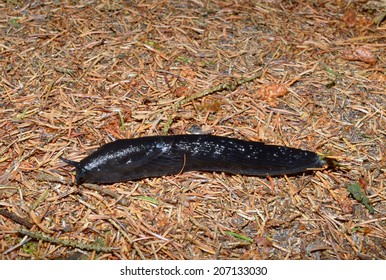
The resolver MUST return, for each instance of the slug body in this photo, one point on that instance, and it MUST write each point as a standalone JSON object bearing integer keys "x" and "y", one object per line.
{"x": 153, "y": 156}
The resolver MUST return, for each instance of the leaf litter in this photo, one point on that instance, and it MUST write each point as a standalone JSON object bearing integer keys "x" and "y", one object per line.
{"x": 307, "y": 74}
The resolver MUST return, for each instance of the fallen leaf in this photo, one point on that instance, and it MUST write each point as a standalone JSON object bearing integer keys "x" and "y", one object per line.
{"x": 362, "y": 183}
{"x": 317, "y": 246}
{"x": 263, "y": 241}
{"x": 352, "y": 20}
{"x": 210, "y": 105}
{"x": 182, "y": 91}
{"x": 378, "y": 77}
{"x": 187, "y": 73}
{"x": 349, "y": 18}
{"x": 252, "y": 254}
{"x": 357, "y": 192}
{"x": 359, "y": 54}
{"x": 378, "y": 19}
{"x": 271, "y": 92}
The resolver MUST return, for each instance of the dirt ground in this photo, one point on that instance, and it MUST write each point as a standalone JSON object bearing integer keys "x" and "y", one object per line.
{"x": 307, "y": 74}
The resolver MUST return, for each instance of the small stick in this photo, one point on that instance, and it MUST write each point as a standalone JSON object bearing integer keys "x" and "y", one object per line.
{"x": 230, "y": 86}
{"x": 22, "y": 221}
{"x": 120, "y": 200}
{"x": 67, "y": 243}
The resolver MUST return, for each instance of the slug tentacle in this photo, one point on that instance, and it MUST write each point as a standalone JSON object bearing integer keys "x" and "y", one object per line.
{"x": 70, "y": 162}
{"x": 153, "y": 156}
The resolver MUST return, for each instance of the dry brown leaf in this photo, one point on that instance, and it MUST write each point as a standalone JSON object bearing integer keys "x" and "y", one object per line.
{"x": 252, "y": 254}
{"x": 317, "y": 246}
{"x": 378, "y": 77}
{"x": 211, "y": 106}
{"x": 188, "y": 73}
{"x": 271, "y": 92}
{"x": 352, "y": 20}
{"x": 360, "y": 54}
{"x": 349, "y": 18}
{"x": 182, "y": 91}
{"x": 263, "y": 241}
{"x": 363, "y": 184}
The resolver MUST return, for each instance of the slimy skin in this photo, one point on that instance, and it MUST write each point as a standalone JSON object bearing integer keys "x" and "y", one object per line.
{"x": 154, "y": 156}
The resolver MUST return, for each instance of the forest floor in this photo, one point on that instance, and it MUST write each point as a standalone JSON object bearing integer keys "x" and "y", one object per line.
{"x": 78, "y": 74}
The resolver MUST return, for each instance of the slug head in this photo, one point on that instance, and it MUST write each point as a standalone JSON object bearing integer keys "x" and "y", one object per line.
{"x": 75, "y": 164}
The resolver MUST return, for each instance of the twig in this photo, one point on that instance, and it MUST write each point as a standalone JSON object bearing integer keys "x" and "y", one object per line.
{"x": 230, "y": 86}
{"x": 121, "y": 200}
{"x": 124, "y": 202}
{"x": 15, "y": 218}
{"x": 67, "y": 243}
{"x": 124, "y": 233}
{"x": 21, "y": 243}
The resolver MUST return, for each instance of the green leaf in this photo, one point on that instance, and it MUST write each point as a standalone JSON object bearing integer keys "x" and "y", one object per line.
{"x": 239, "y": 236}
{"x": 29, "y": 248}
{"x": 151, "y": 43}
{"x": 378, "y": 19}
{"x": 184, "y": 59}
{"x": 14, "y": 21}
{"x": 330, "y": 71}
{"x": 357, "y": 192}
{"x": 146, "y": 198}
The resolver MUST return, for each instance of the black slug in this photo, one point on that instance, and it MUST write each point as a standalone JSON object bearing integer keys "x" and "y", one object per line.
{"x": 153, "y": 156}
